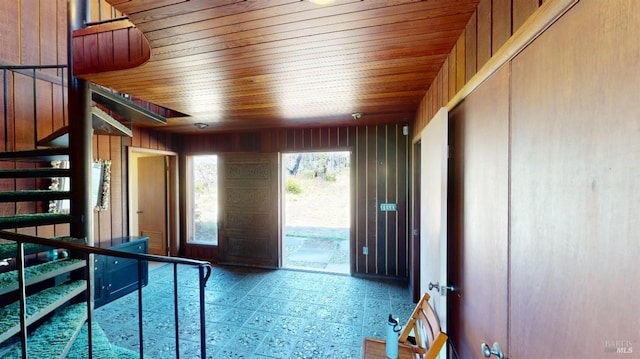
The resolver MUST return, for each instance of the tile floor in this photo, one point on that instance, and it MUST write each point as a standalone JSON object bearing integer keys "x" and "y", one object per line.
{"x": 255, "y": 313}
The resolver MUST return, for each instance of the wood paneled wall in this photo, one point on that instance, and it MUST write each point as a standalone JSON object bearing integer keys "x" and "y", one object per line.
{"x": 35, "y": 33}
{"x": 108, "y": 47}
{"x": 489, "y": 28}
{"x": 112, "y": 224}
{"x": 32, "y": 33}
{"x": 561, "y": 146}
{"x": 379, "y": 174}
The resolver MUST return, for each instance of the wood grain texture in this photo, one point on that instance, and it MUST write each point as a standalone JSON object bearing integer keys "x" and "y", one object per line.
{"x": 479, "y": 226}
{"x": 522, "y": 9}
{"x": 108, "y": 47}
{"x": 118, "y": 198}
{"x": 241, "y": 65}
{"x": 501, "y": 26}
{"x": 483, "y": 42}
{"x": 29, "y": 31}
{"x": 460, "y": 62}
{"x": 471, "y": 47}
{"x": 575, "y": 196}
{"x": 9, "y": 24}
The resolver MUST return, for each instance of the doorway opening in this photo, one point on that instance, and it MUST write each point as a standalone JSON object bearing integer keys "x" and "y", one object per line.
{"x": 153, "y": 198}
{"x": 317, "y": 211}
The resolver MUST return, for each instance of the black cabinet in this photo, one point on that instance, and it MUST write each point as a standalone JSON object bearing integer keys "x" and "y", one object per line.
{"x": 116, "y": 276}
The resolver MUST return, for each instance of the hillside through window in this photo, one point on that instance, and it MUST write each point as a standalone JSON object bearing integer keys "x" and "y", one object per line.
{"x": 204, "y": 203}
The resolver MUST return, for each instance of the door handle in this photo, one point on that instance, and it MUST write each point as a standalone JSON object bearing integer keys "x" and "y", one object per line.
{"x": 495, "y": 350}
{"x": 442, "y": 289}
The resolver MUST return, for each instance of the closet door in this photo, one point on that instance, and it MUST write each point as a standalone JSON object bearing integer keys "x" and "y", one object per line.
{"x": 479, "y": 213}
{"x": 575, "y": 196}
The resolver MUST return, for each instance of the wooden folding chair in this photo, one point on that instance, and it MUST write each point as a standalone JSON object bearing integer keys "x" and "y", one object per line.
{"x": 421, "y": 337}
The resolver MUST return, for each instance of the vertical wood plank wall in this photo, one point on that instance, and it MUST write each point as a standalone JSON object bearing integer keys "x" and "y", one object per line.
{"x": 380, "y": 174}
{"x": 380, "y": 152}
{"x": 112, "y": 224}
{"x": 35, "y": 33}
{"x": 488, "y": 29}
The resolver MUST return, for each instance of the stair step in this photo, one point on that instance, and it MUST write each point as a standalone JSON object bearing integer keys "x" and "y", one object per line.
{"x": 54, "y": 338}
{"x": 33, "y": 195}
{"x": 45, "y": 154}
{"x": 38, "y": 306}
{"x": 34, "y": 219}
{"x": 9, "y": 249}
{"x": 38, "y": 273}
{"x": 101, "y": 346}
{"x": 41, "y": 172}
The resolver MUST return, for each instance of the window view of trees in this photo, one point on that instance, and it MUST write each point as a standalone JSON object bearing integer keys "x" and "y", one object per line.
{"x": 205, "y": 199}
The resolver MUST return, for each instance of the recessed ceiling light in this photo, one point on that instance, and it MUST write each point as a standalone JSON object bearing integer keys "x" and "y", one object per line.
{"x": 201, "y": 125}
{"x": 357, "y": 115}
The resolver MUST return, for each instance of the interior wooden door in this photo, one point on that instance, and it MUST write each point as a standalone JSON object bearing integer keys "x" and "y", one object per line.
{"x": 479, "y": 213}
{"x": 152, "y": 202}
{"x": 433, "y": 213}
{"x": 248, "y": 234}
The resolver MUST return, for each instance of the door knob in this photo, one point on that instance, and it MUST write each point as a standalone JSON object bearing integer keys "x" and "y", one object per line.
{"x": 435, "y": 286}
{"x": 495, "y": 350}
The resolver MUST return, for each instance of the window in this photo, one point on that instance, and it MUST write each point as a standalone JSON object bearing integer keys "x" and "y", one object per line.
{"x": 203, "y": 199}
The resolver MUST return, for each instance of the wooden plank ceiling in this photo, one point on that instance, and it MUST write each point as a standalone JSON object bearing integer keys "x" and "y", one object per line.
{"x": 251, "y": 64}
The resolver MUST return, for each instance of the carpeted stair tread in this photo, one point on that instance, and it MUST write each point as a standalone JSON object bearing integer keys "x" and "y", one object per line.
{"x": 33, "y": 195}
{"x": 102, "y": 348}
{"x": 9, "y": 249}
{"x": 38, "y": 273}
{"x": 55, "y": 336}
{"x": 38, "y": 155}
{"x": 38, "y": 305}
{"x": 34, "y": 219}
{"x": 40, "y": 172}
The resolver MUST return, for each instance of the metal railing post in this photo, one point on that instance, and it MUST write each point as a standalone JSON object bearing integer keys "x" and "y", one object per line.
{"x": 6, "y": 109}
{"x": 89, "y": 251}
{"x": 175, "y": 308}
{"x": 23, "y": 299}
{"x": 203, "y": 335}
{"x": 35, "y": 107}
{"x": 140, "y": 308}
{"x": 89, "y": 295}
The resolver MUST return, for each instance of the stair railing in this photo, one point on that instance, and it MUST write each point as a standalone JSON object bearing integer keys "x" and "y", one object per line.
{"x": 35, "y": 72}
{"x": 204, "y": 272}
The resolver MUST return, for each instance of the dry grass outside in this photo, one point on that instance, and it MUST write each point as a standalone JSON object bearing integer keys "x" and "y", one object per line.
{"x": 320, "y": 203}
{"x": 318, "y": 218}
